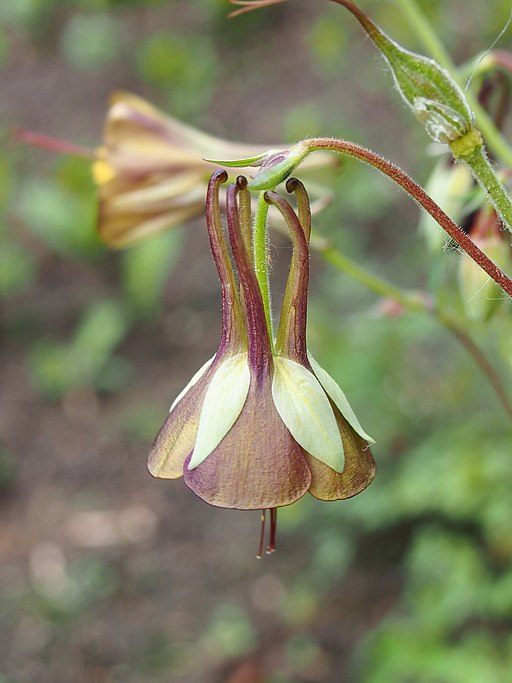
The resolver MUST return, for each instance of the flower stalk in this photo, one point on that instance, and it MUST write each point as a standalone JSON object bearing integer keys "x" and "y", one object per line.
{"x": 436, "y": 99}
{"x": 266, "y": 179}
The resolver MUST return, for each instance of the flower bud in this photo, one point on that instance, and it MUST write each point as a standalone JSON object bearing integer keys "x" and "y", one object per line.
{"x": 275, "y": 166}
{"x": 428, "y": 89}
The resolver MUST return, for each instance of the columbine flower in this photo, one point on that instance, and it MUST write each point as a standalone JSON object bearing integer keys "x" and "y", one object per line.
{"x": 262, "y": 423}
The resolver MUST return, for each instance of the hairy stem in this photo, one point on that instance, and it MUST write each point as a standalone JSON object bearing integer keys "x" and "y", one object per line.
{"x": 420, "y": 196}
{"x": 484, "y": 173}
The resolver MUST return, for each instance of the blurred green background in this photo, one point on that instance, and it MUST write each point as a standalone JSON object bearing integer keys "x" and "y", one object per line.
{"x": 108, "y": 576}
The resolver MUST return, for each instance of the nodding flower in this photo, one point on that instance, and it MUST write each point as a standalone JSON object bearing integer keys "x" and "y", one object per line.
{"x": 261, "y": 423}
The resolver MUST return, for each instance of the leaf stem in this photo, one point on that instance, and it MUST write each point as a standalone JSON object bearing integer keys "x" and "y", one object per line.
{"x": 413, "y": 301}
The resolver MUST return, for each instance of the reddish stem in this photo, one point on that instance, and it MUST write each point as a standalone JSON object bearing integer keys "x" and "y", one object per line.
{"x": 421, "y": 197}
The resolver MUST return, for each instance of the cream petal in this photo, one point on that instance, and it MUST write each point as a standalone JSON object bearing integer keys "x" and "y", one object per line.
{"x": 334, "y": 391}
{"x": 223, "y": 403}
{"x": 195, "y": 379}
{"x": 305, "y": 409}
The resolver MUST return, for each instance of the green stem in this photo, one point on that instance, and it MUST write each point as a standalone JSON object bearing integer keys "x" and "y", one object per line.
{"x": 435, "y": 48}
{"x": 482, "y": 170}
{"x": 260, "y": 259}
{"x": 415, "y": 302}
{"x": 494, "y": 379}
{"x": 410, "y": 300}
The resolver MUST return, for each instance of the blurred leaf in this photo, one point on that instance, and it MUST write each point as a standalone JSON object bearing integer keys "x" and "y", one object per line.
{"x": 101, "y": 329}
{"x": 302, "y": 652}
{"x": 20, "y": 13}
{"x": 62, "y": 219}
{"x": 230, "y": 633}
{"x": 141, "y": 422}
{"x": 90, "y": 41}
{"x": 146, "y": 268}
{"x": 302, "y": 121}
{"x": 50, "y": 369}
{"x": 17, "y": 268}
{"x": 7, "y": 469}
{"x": 6, "y": 180}
{"x": 186, "y": 68}
{"x": 448, "y": 582}
{"x": 4, "y": 47}
{"x": 87, "y": 359}
{"x": 328, "y": 42}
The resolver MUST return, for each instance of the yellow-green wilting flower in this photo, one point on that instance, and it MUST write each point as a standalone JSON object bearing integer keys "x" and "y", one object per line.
{"x": 261, "y": 423}
{"x": 150, "y": 170}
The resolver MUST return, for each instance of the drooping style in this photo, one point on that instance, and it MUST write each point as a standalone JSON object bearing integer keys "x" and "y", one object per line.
{"x": 261, "y": 423}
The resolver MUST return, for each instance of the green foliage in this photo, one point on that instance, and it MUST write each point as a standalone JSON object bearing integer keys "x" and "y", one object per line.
{"x": 328, "y": 43}
{"x": 184, "y": 68}
{"x": 146, "y": 269}
{"x": 61, "y": 211}
{"x": 91, "y": 40}
{"x": 87, "y": 359}
{"x": 229, "y": 634}
{"x": 17, "y": 268}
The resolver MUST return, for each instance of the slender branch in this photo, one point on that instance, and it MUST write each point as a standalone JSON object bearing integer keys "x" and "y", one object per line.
{"x": 479, "y": 358}
{"x": 413, "y": 301}
{"x": 420, "y": 196}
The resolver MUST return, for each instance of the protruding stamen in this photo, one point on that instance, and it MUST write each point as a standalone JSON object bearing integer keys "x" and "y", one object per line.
{"x": 271, "y": 547}
{"x": 262, "y": 536}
